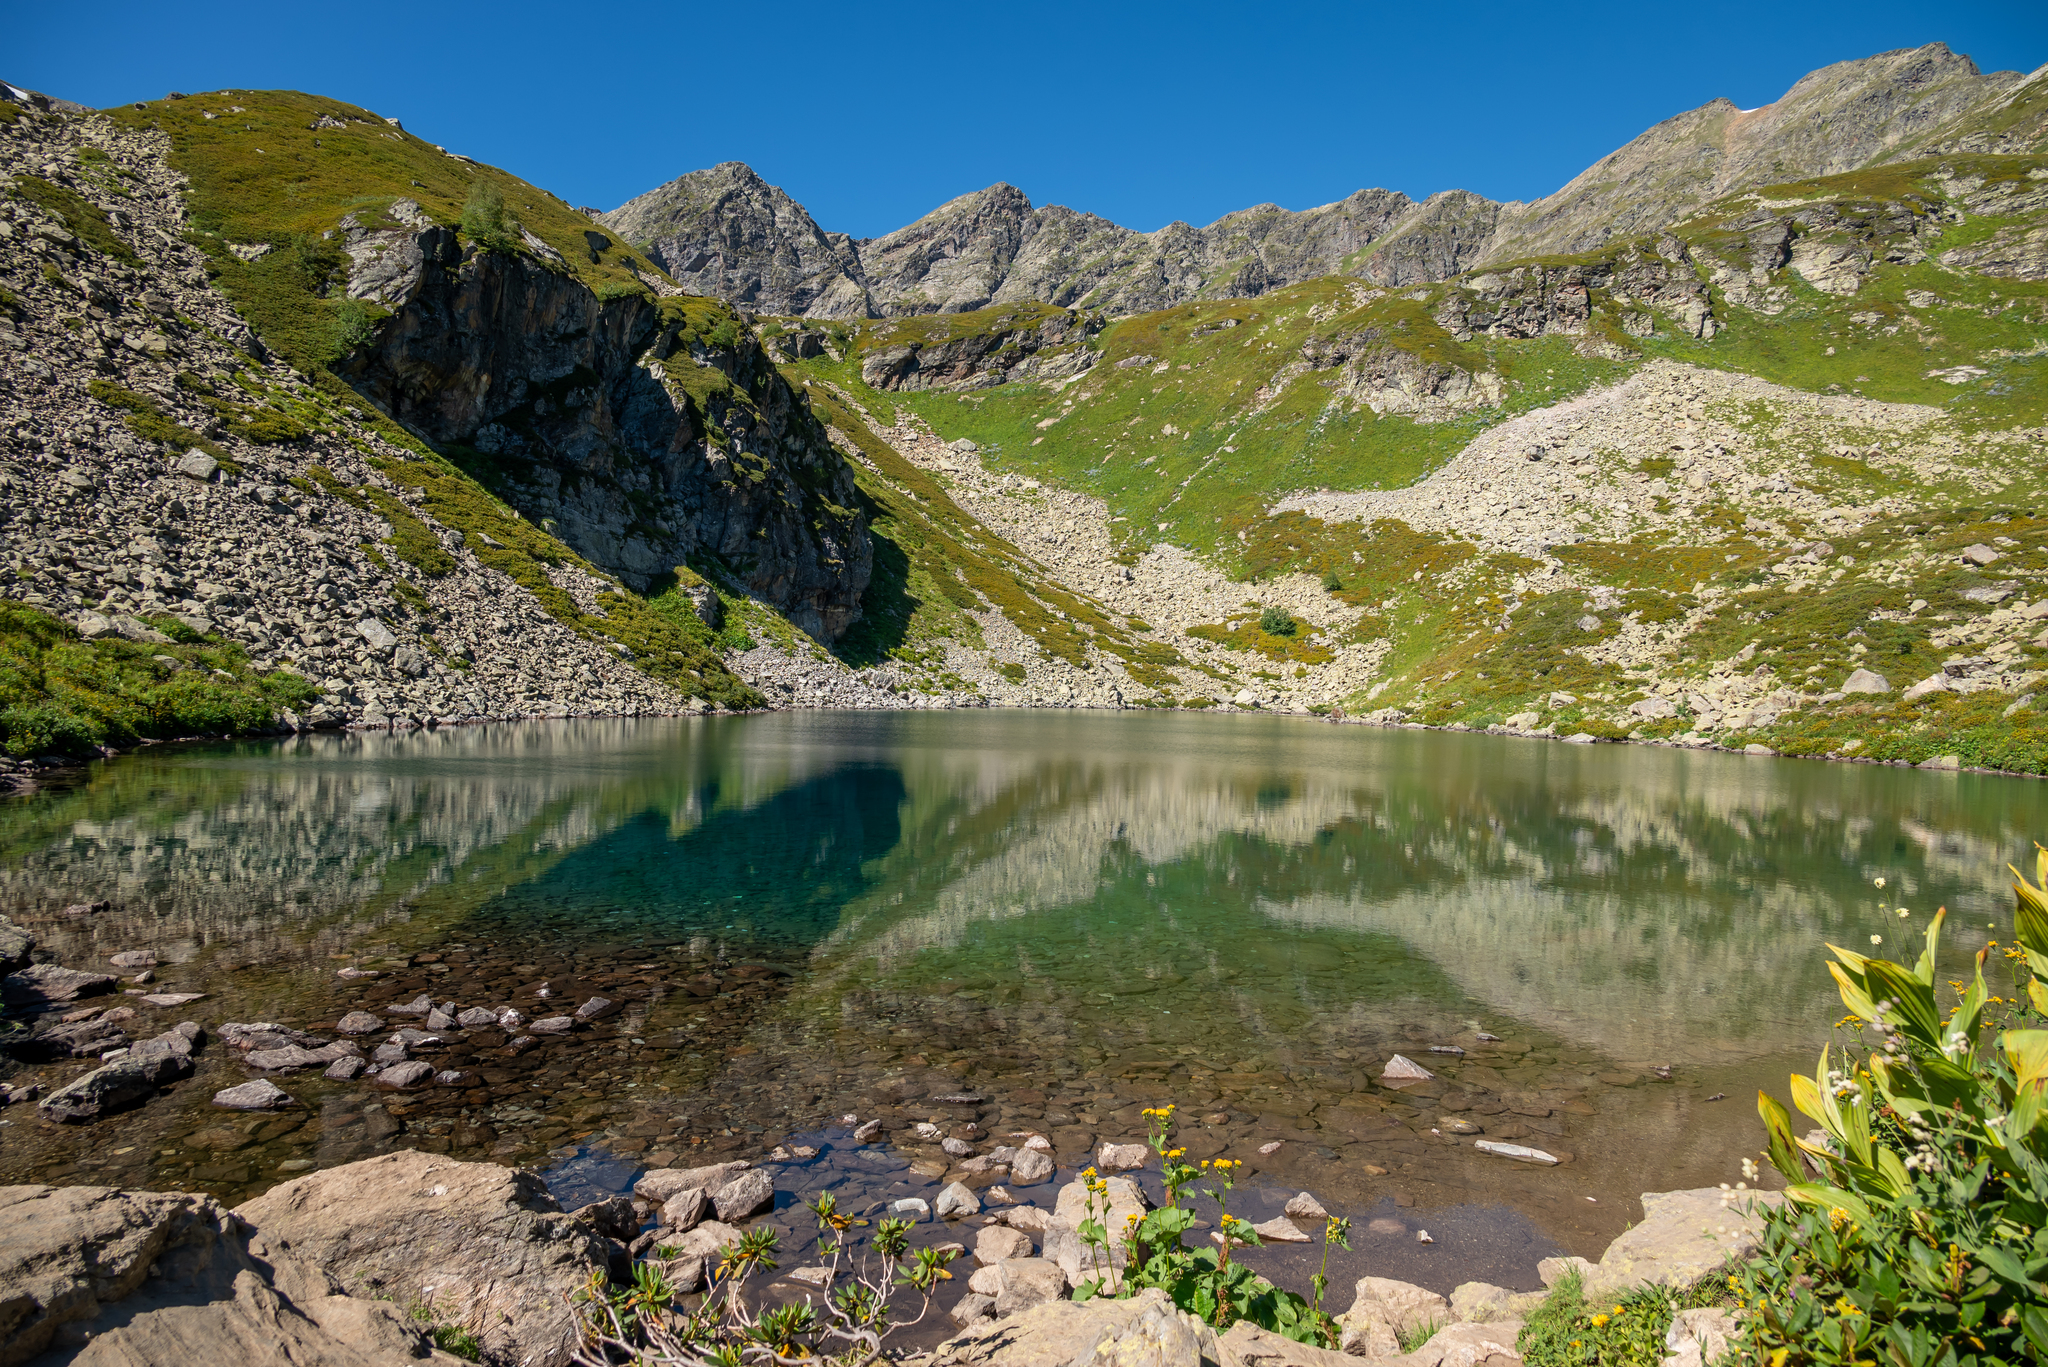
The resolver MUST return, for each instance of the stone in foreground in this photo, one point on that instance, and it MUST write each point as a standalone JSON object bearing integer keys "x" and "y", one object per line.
{"x": 486, "y": 1245}
{"x": 1401, "y": 1069}
{"x": 172, "y": 1277}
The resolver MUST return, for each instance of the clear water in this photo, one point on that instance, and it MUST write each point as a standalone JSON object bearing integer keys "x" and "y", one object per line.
{"x": 1066, "y": 915}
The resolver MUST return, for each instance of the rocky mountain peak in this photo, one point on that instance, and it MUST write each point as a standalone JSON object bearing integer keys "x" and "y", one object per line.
{"x": 726, "y": 232}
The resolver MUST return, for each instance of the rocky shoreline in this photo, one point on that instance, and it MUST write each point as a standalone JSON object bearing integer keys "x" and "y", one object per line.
{"x": 407, "y": 1254}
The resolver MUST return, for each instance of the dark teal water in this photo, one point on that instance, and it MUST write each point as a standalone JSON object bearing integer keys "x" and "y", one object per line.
{"x": 1070, "y": 914}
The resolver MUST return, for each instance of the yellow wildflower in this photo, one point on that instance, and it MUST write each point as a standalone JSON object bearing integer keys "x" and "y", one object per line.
{"x": 1599, "y": 1321}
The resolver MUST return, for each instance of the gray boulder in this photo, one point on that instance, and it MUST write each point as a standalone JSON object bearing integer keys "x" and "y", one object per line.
{"x": 100, "y": 1276}
{"x": 260, "y": 1095}
{"x": 41, "y": 985}
{"x": 486, "y": 1245}
{"x": 121, "y": 1084}
{"x": 660, "y": 1185}
{"x": 15, "y": 946}
{"x": 1682, "y": 1237}
{"x": 750, "y": 1191}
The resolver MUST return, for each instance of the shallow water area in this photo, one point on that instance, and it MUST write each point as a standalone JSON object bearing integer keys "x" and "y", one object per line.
{"x": 998, "y": 924}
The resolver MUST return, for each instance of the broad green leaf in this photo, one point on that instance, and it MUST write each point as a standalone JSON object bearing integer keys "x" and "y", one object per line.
{"x": 1778, "y": 1130}
{"x": 2028, "y": 1051}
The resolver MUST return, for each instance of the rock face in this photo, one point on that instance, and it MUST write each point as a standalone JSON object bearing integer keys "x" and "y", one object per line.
{"x": 646, "y": 440}
{"x": 729, "y": 234}
{"x": 100, "y": 1276}
{"x": 486, "y": 1245}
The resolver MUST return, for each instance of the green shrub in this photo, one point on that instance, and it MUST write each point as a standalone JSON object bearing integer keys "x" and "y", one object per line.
{"x": 1277, "y": 622}
{"x": 1012, "y": 671}
{"x": 484, "y": 220}
{"x": 1923, "y": 1239}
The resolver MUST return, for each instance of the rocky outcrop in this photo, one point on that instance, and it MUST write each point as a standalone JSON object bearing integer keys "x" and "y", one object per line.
{"x": 649, "y": 433}
{"x": 729, "y": 234}
{"x": 726, "y": 233}
{"x": 98, "y": 1276}
{"x": 1032, "y": 347}
{"x": 485, "y": 1246}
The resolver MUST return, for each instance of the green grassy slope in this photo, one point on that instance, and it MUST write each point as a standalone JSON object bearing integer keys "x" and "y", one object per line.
{"x": 283, "y": 169}
{"x": 1225, "y": 411}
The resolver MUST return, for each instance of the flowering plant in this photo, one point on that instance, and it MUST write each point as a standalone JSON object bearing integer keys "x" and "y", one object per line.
{"x": 1917, "y": 1229}
{"x": 1205, "y": 1282}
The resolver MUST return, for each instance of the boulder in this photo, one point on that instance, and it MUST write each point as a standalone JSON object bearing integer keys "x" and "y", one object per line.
{"x": 172, "y": 1277}
{"x": 182, "y": 1039}
{"x": 121, "y": 1084}
{"x": 1030, "y": 1167}
{"x": 77, "y": 1039}
{"x": 1468, "y": 1345}
{"x": 1146, "y": 1329}
{"x": 359, "y": 1023}
{"x": 998, "y": 1243}
{"x": 406, "y": 1074}
{"x": 1121, "y": 1157}
{"x": 485, "y": 1245}
{"x": 1698, "y": 1338}
{"x": 956, "y": 1200}
{"x": 1302, "y": 1206}
{"x": 1247, "y": 1345}
{"x": 704, "y": 1241}
{"x": 133, "y": 958}
{"x": 613, "y": 1217}
{"x": 260, "y": 1095}
{"x": 972, "y": 1309}
{"x": 196, "y": 464}
{"x": 747, "y": 1193}
{"x": 684, "y": 1211}
{"x": 1280, "y": 1230}
{"x": 1025, "y": 1283}
{"x": 16, "y": 945}
{"x": 43, "y": 985}
{"x": 1382, "y": 1310}
{"x": 661, "y": 1185}
{"x": 1400, "y": 1069}
{"x": 1484, "y": 1303}
{"x": 1682, "y": 1237}
{"x": 1062, "y": 1240}
{"x": 1866, "y": 681}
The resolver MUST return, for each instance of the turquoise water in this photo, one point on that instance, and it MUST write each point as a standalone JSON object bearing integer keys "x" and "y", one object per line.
{"x": 1069, "y": 915}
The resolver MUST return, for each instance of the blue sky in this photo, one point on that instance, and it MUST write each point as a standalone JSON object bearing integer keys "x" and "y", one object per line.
{"x": 871, "y": 115}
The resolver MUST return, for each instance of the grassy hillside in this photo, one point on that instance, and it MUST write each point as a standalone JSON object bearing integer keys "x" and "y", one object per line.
{"x": 1196, "y": 420}
{"x": 272, "y": 177}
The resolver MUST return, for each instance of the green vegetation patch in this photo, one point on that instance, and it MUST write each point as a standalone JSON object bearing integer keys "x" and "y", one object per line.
{"x": 146, "y": 420}
{"x": 61, "y": 695}
{"x": 1566, "y": 1331}
{"x": 1295, "y": 642}
{"x": 86, "y": 220}
{"x": 287, "y": 168}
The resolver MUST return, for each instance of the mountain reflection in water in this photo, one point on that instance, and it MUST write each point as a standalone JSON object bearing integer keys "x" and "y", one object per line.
{"x": 1091, "y": 910}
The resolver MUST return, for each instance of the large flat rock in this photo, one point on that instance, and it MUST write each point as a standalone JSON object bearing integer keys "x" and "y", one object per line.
{"x": 1683, "y": 1236}
{"x": 109, "y": 1278}
{"x": 485, "y": 1246}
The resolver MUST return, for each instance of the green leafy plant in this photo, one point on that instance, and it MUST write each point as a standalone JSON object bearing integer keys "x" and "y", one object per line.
{"x": 645, "y": 1320}
{"x": 484, "y": 220}
{"x": 1205, "y": 1282}
{"x": 1917, "y": 1229}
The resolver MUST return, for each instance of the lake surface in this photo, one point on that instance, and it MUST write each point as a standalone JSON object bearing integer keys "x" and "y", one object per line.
{"x": 1061, "y": 917}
